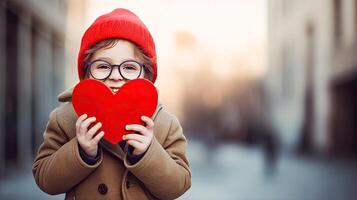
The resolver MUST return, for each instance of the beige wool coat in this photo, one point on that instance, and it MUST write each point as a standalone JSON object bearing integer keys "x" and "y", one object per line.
{"x": 162, "y": 173}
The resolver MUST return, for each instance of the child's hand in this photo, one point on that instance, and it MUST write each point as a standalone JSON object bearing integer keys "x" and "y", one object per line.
{"x": 140, "y": 142}
{"x": 85, "y": 137}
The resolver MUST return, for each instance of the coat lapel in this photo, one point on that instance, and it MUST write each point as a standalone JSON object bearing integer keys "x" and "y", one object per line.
{"x": 113, "y": 149}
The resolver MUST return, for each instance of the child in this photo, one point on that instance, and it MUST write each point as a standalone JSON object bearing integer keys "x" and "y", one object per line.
{"x": 74, "y": 159}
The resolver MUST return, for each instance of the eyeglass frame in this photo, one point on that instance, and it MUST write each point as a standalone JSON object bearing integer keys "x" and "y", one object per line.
{"x": 88, "y": 65}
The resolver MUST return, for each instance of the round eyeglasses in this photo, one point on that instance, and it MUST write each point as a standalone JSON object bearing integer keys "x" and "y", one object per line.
{"x": 102, "y": 69}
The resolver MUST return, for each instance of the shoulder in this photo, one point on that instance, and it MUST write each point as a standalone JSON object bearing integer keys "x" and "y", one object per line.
{"x": 164, "y": 117}
{"x": 165, "y": 122}
{"x": 65, "y": 117}
{"x": 66, "y": 111}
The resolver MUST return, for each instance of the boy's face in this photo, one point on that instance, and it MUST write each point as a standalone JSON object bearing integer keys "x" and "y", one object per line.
{"x": 119, "y": 53}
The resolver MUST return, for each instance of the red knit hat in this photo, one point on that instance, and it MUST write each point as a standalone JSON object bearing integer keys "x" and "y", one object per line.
{"x": 123, "y": 24}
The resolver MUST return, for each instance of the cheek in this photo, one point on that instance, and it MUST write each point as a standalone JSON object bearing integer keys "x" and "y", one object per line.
{"x": 106, "y": 82}
{"x": 142, "y": 75}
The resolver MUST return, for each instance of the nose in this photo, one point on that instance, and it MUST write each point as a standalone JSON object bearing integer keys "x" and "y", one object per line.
{"x": 115, "y": 75}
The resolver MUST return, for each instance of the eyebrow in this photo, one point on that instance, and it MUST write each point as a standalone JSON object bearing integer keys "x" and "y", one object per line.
{"x": 104, "y": 58}
{"x": 109, "y": 59}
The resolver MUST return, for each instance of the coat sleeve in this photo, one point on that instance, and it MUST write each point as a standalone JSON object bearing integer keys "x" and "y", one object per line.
{"x": 164, "y": 169}
{"x": 58, "y": 165}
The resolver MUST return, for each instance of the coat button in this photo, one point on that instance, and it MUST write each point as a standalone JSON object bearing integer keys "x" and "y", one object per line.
{"x": 102, "y": 189}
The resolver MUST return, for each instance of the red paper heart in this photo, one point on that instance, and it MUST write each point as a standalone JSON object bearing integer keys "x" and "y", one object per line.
{"x": 134, "y": 99}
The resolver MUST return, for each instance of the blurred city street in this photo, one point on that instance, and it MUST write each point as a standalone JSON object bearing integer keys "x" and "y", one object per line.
{"x": 265, "y": 90}
{"x": 238, "y": 172}
{"x": 232, "y": 171}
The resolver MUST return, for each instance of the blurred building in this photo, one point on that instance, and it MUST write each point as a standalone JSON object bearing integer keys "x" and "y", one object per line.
{"x": 312, "y": 78}
{"x": 32, "y": 73}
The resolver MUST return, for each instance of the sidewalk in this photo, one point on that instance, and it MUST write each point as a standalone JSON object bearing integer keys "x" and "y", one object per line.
{"x": 20, "y": 185}
{"x": 235, "y": 172}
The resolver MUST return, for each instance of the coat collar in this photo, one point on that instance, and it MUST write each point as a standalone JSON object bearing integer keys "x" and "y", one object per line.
{"x": 65, "y": 96}
{"x": 115, "y": 149}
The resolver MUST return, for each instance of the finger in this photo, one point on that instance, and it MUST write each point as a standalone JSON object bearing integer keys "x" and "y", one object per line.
{"x": 86, "y": 123}
{"x": 93, "y": 130}
{"x": 136, "y": 127}
{"x": 80, "y": 120}
{"x": 148, "y": 121}
{"x": 98, "y": 137}
{"x": 137, "y": 145}
{"x": 137, "y": 137}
